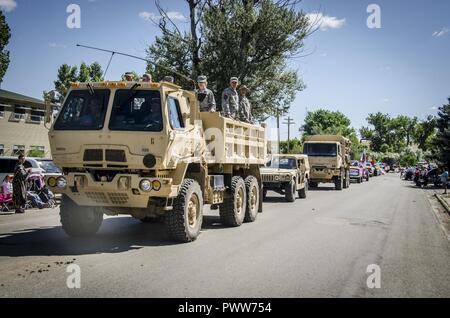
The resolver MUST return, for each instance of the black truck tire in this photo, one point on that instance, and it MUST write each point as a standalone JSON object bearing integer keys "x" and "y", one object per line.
{"x": 290, "y": 190}
{"x": 252, "y": 189}
{"x": 184, "y": 221}
{"x": 232, "y": 210}
{"x": 78, "y": 221}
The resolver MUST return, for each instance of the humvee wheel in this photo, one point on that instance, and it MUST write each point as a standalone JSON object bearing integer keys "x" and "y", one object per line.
{"x": 339, "y": 183}
{"x": 232, "y": 210}
{"x": 313, "y": 184}
{"x": 264, "y": 194}
{"x": 347, "y": 180}
{"x": 184, "y": 221}
{"x": 302, "y": 192}
{"x": 290, "y": 190}
{"x": 78, "y": 221}
{"x": 252, "y": 189}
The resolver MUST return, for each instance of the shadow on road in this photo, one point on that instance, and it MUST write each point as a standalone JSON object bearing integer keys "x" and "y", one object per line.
{"x": 322, "y": 188}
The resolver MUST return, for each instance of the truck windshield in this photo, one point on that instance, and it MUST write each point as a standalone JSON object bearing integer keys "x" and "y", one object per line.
{"x": 138, "y": 110}
{"x": 83, "y": 110}
{"x": 320, "y": 150}
{"x": 282, "y": 163}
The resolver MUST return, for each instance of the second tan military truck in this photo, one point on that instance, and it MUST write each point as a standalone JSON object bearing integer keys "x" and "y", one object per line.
{"x": 329, "y": 157}
{"x": 144, "y": 149}
{"x": 286, "y": 174}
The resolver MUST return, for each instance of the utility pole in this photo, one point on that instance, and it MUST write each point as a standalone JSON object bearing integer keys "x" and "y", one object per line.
{"x": 289, "y": 121}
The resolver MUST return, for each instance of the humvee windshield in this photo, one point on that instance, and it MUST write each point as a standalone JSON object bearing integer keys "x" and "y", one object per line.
{"x": 320, "y": 150}
{"x": 136, "y": 110}
{"x": 83, "y": 110}
{"x": 282, "y": 163}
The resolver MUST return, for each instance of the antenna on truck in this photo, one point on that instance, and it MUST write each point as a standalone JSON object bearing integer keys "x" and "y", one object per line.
{"x": 135, "y": 57}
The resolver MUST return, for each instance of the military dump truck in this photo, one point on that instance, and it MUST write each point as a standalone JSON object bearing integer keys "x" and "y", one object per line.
{"x": 286, "y": 174}
{"x": 329, "y": 157}
{"x": 145, "y": 150}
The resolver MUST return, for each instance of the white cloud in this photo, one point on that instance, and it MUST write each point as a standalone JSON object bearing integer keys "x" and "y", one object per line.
{"x": 441, "y": 32}
{"x": 57, "y": 46}
{"x": 324, "y": 54}
{"x": 8, "y": 5}
{"x": 433, "y": 108}
{"x": 385, "y": 100}
{"x": 325, "y": 22}
{"x": 173, "y": 15}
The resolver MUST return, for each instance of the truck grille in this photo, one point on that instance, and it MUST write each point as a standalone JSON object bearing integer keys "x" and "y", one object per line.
{"x": 118, "y": 198}
{"x": 97, "y": 197}
{"x": 115, "y": 155}
{"x": 270, "y": 178}
{"x": 93, "y": 155}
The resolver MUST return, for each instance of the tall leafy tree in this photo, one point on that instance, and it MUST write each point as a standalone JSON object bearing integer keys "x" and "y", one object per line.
{"x": 424, "y": 132}
{"x": 5, "y": 35}
{"x": 68, "y": 74}
{"x": 442, "y": 140}
{"x": 252, "y": 40}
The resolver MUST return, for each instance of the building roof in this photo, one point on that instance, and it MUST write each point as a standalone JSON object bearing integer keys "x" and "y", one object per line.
{"x": 15, "y": 98}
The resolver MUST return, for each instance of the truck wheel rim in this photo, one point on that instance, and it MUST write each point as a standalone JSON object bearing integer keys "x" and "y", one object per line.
{"x": 193, "y": 208}
{"x": 239, "y": 200}
{"x": 253, "y": 198}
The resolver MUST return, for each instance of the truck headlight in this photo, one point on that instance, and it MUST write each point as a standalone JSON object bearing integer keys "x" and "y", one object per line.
{"x": 51, "y": 182}
{"x": 61, "y": 182}
{"x": 145, "y": 185}
{"x": 156, "y": 185}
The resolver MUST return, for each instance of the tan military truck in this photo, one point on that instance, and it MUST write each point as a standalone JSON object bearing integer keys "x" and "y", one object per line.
{"x": 145, "y": 150}
{"x": 286, "y": 174}
{"x": 329, "y": 157}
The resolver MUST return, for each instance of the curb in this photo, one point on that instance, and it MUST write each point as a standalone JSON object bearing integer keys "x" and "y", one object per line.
{"x": 442, "y": 201}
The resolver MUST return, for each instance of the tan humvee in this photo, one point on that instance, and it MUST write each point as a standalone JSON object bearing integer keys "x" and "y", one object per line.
{"x": 144, "y": 149}
{"x": 286, "y": 174}
{"x": 329, "y": 157}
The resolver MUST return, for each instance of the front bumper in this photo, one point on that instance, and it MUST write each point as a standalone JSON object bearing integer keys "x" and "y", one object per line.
{"x": 123, "y": 191}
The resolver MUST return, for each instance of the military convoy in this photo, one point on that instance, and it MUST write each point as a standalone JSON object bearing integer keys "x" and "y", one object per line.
{"x": 286, "y": 174}
{"x": 329, "y": 157}
{"x": 144, "y": 149}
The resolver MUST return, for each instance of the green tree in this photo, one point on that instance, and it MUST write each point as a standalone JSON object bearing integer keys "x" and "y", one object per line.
{"x": 5, "y": 35}
{"x": 252, "y": 40}
{"x": 380, "y": 133}
{"x": 424, "y": 133}
{"x": 135, "y": 76}
{"x": 295, "y": 146}
{"x": 68, "y": 74}
{"x": 442, "y": 140}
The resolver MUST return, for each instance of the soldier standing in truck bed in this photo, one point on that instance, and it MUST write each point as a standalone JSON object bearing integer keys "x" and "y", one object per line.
{"x": 205, "y": 96}
{"x": 230, "y": 99}
{"x": 245, "y": 111}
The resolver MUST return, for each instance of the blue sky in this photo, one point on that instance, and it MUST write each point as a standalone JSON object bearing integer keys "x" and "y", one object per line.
{"x": 401, "y": 68}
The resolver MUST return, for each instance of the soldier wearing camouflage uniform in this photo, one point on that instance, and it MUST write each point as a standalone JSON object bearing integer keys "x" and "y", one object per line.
{"x": 230, "y": 100}
{"x": 245, "y": 110}
{"x": 205, "y": 96}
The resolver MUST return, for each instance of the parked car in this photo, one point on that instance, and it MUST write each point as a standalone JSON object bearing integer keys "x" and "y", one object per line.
{"x": 38, "y": 165}
{"x": 356, "y": 173}
{"x": 370, "y": 168}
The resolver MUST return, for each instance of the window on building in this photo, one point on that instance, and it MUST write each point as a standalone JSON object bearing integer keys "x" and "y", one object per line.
{"x": 18, "y": 149}
{"x": 36, "y": 115}
{"x": 2, "y": 150}
{"x": 36, "y": 151}
{"x": 19, "y": 113}
{"x": 2, "y": 111}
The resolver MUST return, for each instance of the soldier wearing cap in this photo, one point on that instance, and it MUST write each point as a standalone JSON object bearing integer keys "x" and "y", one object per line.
{"x": 245, "y": 111}
{"x": 168, "y": 79}
{"x": 129, "y": 76}
{"x": 147, "y": 78}
{"x": 230, "y": 99}
{"x": 205, "y": 96}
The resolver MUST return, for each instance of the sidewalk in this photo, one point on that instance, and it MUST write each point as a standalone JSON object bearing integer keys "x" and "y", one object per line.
{"x": 444, "y": 199}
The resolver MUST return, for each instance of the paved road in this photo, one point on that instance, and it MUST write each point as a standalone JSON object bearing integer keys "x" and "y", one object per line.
{"x": 318, "y": 247}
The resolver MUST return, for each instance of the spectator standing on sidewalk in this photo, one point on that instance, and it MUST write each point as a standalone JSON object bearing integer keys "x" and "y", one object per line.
{"x": 19, "y": 186}
{"x": 444, "y": 179}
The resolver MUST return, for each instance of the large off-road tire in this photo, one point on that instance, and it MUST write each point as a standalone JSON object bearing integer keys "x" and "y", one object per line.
{"x": 339, "y": 183}
{"x": 78, "y": 221}
{"x": 290, "y": 190}
{"x": 184, "y": 221}
{"x": 313, "y": 184}
{"x": 264, "y": 194}
{"x": 303, "y": 192}
{"x": 158, "y": 219}
{"x": 360, "y": 180}
{"x": 252, "y": 190}
{"x": 232, "y": 210}
{"x": 347, "y": 180}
